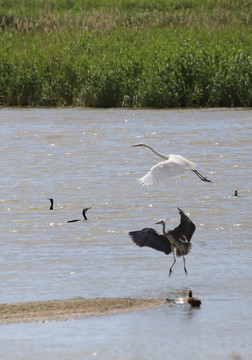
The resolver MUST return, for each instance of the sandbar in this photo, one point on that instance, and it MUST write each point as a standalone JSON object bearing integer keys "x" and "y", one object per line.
{"x": 72, "y": 308}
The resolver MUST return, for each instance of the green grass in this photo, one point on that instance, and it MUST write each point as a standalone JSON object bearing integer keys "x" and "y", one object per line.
{"x": 142, "y": 53}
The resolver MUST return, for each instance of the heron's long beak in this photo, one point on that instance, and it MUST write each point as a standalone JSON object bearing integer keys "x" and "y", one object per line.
{"x": 136, "y": 145}
{"x": 159, "y": 222}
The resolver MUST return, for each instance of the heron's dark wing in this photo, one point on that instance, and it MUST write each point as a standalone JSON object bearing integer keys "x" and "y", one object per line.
{"x": 185, "y": 229}
{"x": 149, "y": 237}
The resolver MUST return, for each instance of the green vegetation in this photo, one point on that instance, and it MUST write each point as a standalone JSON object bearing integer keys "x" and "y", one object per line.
{"x": 126, "y": 53}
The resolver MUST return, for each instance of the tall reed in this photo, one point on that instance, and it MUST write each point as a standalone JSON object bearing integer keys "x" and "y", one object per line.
{"x": 180, "y": 53}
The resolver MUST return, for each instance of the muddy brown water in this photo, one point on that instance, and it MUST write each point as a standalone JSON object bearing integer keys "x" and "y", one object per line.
{"x": 83, "y": 158}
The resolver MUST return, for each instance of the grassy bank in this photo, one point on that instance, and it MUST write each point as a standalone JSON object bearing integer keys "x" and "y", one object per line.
{"x": 180, "y": 53}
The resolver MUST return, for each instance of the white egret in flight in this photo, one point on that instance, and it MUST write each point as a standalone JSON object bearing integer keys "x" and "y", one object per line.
{"x": 171, "y": 166}
{"x": 178, "y": 238}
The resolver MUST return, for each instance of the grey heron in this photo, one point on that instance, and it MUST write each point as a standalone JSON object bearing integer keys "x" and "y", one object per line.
{"x": 179, "y": 238}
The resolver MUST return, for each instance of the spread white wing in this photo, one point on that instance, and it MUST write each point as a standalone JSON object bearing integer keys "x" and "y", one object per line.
{"x": 174, "y": 166}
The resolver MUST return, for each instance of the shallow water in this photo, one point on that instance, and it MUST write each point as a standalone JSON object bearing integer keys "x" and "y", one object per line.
{"x": 84, "y": 158}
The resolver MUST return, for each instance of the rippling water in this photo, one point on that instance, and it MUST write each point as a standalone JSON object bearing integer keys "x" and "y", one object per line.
{"x": 84, "y": 158}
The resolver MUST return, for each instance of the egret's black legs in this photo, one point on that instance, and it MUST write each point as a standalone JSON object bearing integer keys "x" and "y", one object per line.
{"x": 201, "y": 177}
{"x": 184, "y": 265}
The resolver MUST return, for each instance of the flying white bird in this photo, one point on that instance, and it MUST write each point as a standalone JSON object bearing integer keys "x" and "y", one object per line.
{"x": 171, "y": 166}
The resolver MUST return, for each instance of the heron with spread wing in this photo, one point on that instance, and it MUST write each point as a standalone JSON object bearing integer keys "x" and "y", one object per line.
{"x": 172, "y": 165}
{"x": 178, "y": 239}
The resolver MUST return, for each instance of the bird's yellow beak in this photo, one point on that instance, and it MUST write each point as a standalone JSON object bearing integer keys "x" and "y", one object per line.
{"x": 136, "y": 145}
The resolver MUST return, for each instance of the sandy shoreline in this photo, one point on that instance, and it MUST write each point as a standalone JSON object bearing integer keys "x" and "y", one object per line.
{"x": 72, "y": 308}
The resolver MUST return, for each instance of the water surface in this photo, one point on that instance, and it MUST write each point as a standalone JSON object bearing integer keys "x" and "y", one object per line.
{"x": 84, "y": 158}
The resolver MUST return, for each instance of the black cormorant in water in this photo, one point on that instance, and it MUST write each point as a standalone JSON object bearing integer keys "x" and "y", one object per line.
{"x": 83, "y": 213}
{"x": 51, "y": 201}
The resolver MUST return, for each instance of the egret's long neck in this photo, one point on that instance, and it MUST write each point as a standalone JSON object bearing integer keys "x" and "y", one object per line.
{"x": 155, "y": 152}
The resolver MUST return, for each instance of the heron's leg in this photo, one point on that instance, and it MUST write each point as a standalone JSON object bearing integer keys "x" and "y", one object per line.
{"x": 184, "y": 265}
{"x": 174, "y": 260}
{"x": 201, "y": 177}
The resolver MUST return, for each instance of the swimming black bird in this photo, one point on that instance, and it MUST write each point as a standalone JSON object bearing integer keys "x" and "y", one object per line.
{"x": 236, "y": 193}
{"x": 178, "y": 238}
{"x": 51, "y": 201}
{"x": 83, "y": 213}
{"x": 193, "y": 300}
